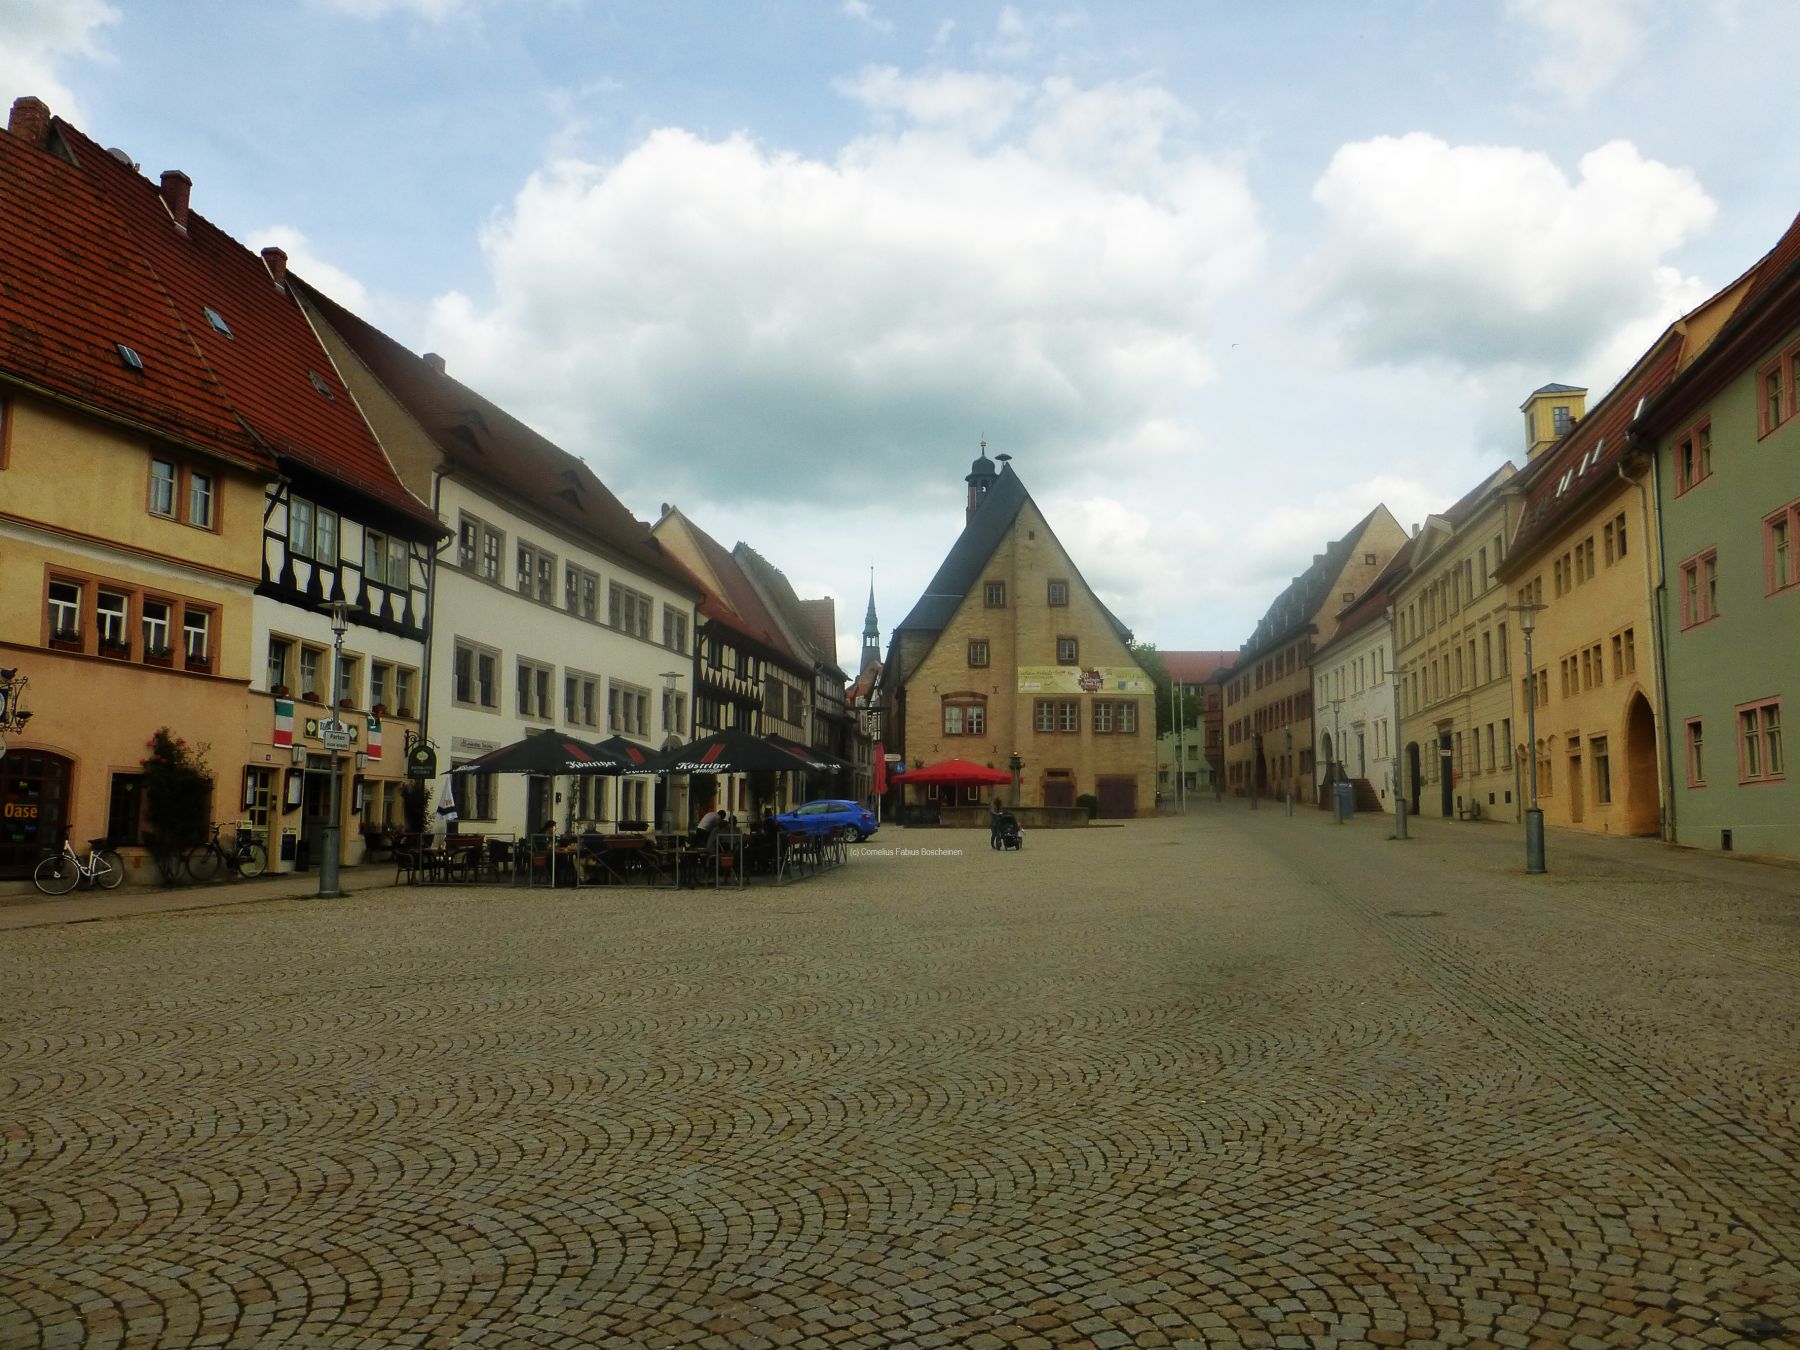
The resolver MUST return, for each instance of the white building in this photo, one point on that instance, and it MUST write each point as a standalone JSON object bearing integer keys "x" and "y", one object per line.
{"x": 1353, "y": 694}
{"x": 554, "y": 609}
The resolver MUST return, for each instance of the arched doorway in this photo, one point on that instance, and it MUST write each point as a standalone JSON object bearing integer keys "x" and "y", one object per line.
{"x": 1412, "y": 776}
{"x": 1259, "y": 779}
{"x": 1643, "y": 809}
{"x": 34, "y": 807}
{"x": 1330, "y": 760}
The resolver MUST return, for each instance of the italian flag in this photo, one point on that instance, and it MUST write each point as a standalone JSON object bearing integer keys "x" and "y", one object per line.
{"x": 284, "y": 721}
{"x": 373, "y": 744}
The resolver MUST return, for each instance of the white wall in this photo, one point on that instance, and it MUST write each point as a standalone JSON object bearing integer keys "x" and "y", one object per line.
{"x": 1359, "y": 670}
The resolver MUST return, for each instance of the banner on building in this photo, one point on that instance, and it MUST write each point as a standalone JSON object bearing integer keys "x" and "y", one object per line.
{"x": 1083, "y": 680}
{"x": 284, "y": 721}
{"x": 373, "y": 743}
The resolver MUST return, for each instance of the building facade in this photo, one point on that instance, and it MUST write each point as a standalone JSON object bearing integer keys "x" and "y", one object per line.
{"x": 1190, "y": 758}
{"x": 1354, "y": 694}
{"x": 1452, "y": 633}
{"x": 1724, "y": 438}
{"x": 1010, "y": 653}
{"x": 1269, "y": 714}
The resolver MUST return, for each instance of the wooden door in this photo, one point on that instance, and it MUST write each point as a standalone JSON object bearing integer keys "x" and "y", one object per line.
{"x": 1117, "y": 796}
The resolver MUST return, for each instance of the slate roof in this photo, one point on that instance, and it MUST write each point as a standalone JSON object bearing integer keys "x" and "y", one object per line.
{"x": 968, "y": 558}
{"x": 821, "y": 618}
{"x": 785, "y": 604}
{"x": 739, "y": 607}
{"x": 1293, "y": 609}
{"x": 484, "y": 441}
{"x": 73, "y": 283}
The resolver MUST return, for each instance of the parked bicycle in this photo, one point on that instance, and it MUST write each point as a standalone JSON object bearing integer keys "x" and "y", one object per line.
{"x": 248, "y": 856}
{"x": 61, "y": 872}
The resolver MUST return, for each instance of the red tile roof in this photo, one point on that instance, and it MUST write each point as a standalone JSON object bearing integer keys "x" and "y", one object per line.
{"x": 1195, "y": 667}
{"x": 270, "y": 362}
{"x": 482, "y": 439}
{"x": 74, "y": 284}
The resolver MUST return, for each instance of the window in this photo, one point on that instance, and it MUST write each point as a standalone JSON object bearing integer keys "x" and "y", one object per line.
{"x": 474, "y": 794}
{"x": 1115, "y": 717}
{"x": 280, "y": 661}
{"x": 111, "y": 619}
{"x": 1700, "y": 589}
{"x": 479, "y": 547}
{"x": 405, "y": 678}
{"x": 310, "y": 660}
{"x": 475, "y": 675}
{"x": 993, "y": 595}
{"x": 1776, "y": 405}
{"x": 675, "y": 629}
{"x": 1059, "y": 594}
{"x": 1693, "y": 457}
{"x": 1780, "y": 567}
{"x": 628, "y": 610}
{"x": 1103, "y": 717}
{"x": 534, "y": 690}
{"x": 978, "y": 651}
{"x": 381, "y": 678}
{"x": 1068, "y": 715}
{"x": 312, "y": 531}
{"x": 217, "y": 320}
{"x": 1759, "y": 742}
{"x": 1561, "y": 420}
{"x": 200, "y": 500}
{"x": 125, "y": 810}
{"x": 162, "y": 488}
{"x": 1068, "y": 651}
{"x": 581, "y": 592}
{"x": 674, "y": 711}
{"x": 349, "y": 679}
{"x": 1597, "y": 752}
{"x": 628, "y": 709}
{"x": 1696, "y": 752}
{"x": 536, "y": 574}
{"x": 385, "y": 560}
{"x": 196, "y": 636}
{"x": 965, "y": 715}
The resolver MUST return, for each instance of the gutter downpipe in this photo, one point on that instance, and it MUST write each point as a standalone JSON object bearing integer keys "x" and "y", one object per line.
{"x": 1657, "y": 582}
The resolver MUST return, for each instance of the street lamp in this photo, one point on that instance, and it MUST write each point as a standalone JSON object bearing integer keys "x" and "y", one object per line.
{"x": 328, "y": 861}
{"x": 1015, "y": 764}
{"x": 671, "y": 738}
{"x": 1287, "y": 766}
{"x": 1534, "y": 817}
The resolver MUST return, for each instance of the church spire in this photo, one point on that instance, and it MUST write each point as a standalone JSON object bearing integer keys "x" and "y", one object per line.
{"x": 871, "y": 648}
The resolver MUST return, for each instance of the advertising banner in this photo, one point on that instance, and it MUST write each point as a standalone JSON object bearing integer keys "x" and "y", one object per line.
{"x": 1083, "y": 680}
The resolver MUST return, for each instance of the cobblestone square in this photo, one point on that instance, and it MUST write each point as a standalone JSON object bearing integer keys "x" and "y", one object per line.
{"x": 1229, "y": 1079}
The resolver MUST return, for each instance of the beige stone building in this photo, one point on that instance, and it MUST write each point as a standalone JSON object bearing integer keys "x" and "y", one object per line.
{"x": 1452, "y": 630}
{"x": 1009, "y": 653}
{"x": 1269, "y": 712}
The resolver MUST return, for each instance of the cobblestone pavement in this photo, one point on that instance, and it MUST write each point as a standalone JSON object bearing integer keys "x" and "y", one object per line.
{"x": 1233, "y": 1079}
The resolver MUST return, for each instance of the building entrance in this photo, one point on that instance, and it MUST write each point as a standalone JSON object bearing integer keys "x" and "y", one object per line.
{"x": 34, "y": 807}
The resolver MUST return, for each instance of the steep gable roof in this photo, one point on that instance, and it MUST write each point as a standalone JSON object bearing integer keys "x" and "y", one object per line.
{"x": 968, "y": 556}
{"x": 1294, "y": 608}
{"x": 74, "y": 283}
{"x": 1195, "y": 667}
{"x": 271, "y": 367}
{"x": 738, "y": 604}
{"x": 484, "y": 441}
{"x": 786, "y": 607}
{"x": 1373, "y": 603}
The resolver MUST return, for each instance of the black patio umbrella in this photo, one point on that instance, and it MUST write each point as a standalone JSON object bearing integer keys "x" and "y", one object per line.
{"x": 547, "y": 754}
{"x": 619, "y": 747}
{"x": 823, "y": 761}
{"x": 732, "y": 751}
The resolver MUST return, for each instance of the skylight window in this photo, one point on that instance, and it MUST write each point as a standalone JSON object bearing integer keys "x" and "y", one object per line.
{"x": 129, "y": 358}
{"x": 318, "y": 382}
{"x": 1567, "y": 478}
{"x": 217, "y": 320}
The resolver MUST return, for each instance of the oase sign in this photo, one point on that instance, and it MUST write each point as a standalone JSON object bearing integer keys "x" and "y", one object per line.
{"x": 421, "y": 762}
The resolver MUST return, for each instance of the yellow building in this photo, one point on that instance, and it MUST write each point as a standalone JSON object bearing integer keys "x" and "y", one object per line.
{"x": 1453, "y": 628}
{"x": 130, "y": 513}
{"x": 1583, "y": 559}
{"x": 1269, "y": 729}
{"x": 1008, "y": 653}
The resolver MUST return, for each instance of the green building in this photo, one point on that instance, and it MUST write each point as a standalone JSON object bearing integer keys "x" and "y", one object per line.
{"x": 1726, "y": 440}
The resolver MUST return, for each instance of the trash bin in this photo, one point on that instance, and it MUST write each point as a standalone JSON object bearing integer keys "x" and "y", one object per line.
{"x": 1346, "y": 799}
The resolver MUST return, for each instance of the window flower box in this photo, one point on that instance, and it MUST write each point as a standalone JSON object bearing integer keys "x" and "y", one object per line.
{"x": 346, "y": 703}
{"x": 311, "y": 696}
{"x": 280, "y": 691}
{"x": 118, "y": 651}
{"x": 159, "y": 656}
{"x": 65, "y": 639}
{"x": 379, "y": 711}
{"x": 404, "y": 712}
{"x": 202, "y": 666}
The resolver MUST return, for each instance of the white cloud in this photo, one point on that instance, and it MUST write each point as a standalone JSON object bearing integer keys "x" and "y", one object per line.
{"x": 432, "y": 11}
{"x": 864, "y": 12}
{"x": 714, "y": 319}
{"x": 310, "y": 267}
{"x": 40, "y": 38}
{"x": 975, "y": 104}
{"x": 1481, "y": 256}
{"x": 1586, "y": 43}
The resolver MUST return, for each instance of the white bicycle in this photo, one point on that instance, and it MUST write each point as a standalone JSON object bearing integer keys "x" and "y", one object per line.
{"x": 60, "y": 873}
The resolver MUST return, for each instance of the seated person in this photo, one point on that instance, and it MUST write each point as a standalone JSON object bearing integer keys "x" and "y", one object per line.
{"x": 709, "y": 825}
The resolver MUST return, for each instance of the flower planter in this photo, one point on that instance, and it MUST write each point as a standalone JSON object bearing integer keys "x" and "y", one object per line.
{"x": 117, "y": 651}
{"x": 404, "y": 712}
{"x": 311, "y": 696}
{"x": 346, "y": 704}
{"x": 379, "y": 711}
{"x": 280, "y": 691}
{"x": 163, "y": 659}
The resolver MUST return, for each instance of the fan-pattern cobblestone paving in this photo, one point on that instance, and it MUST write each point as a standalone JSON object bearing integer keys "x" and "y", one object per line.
{"x": 1231, "y": 1079}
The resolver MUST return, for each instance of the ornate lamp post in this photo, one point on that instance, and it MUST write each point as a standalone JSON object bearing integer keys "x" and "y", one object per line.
{"x": 328, "y": 861}
{"x": 671, "y": 738}
{"x": 1534, "y": 817}
{"x": 13, "y": 716}
{"x": 1015, "y": 764}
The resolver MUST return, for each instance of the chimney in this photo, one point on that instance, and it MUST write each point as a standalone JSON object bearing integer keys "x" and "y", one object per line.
{"x": 30, "y": 120}
{"x": 177, "y": 187}
{"x": 433, "y": 360}
{"x": 276, "y": 261}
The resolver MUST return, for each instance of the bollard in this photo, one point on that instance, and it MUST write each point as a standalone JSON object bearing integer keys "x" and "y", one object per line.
{"x": 1534, "y": 841}
{"x": 1399, "y": 817}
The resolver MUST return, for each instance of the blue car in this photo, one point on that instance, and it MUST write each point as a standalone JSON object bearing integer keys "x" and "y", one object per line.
{"x": 827, "y": 816}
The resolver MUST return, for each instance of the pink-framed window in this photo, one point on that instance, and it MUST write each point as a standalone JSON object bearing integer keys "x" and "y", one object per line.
{"x": 1781, "y": 549}
{"x": 1776, "y": 396}
{"x": 1760, "y": 758}
{"x": 1693, "y": 457}
{"x": 1696, "y": 752}
{"x": 1699, "y": 581}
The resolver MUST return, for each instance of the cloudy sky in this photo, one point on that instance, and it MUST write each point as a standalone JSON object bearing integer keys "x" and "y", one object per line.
{"x": 1219, "y": 276}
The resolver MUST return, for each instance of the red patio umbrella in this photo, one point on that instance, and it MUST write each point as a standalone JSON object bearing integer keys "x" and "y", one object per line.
{"x": 879, "y": 783}
{"x": 954, "y": 773}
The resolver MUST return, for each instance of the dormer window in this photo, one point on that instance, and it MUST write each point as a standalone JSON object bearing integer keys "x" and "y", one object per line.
{"x": 129, "y": 358}
{"x": 217, "y": 320}
{"x": 318, "y": 382}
